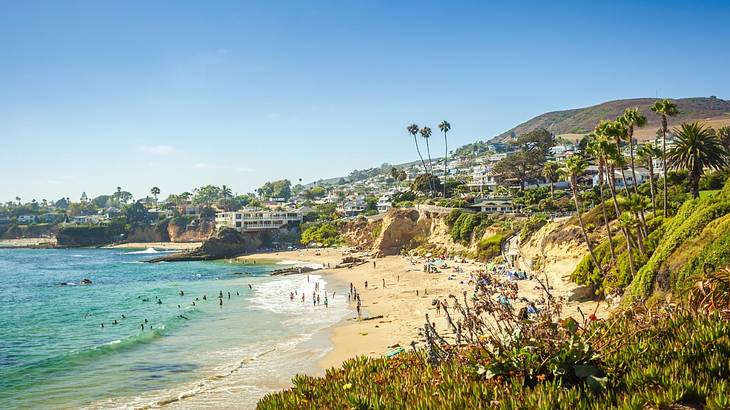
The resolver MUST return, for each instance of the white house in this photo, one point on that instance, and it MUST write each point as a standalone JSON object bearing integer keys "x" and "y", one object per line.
{"x": 497, "y": 205}
{"x": 384, "y": 203}
{"x": 256, "y": 219}
{"x": 482, "y": 179}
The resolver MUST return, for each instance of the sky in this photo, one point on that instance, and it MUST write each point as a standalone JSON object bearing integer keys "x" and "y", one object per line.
{"x": 179, "y": 94}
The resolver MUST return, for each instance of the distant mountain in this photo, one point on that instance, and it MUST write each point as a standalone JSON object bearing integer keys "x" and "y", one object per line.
{"x": 583, "y": 120}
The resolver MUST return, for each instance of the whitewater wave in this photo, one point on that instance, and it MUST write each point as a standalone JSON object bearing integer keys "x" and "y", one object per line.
{"x": 146, "y": 251}
{"x": 295, "y": 262}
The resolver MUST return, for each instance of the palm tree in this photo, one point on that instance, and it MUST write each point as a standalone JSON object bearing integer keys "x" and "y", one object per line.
{"x": 697, "y": 148}
{"x": 17, "y": 198}
{"x": 597, "y": 148}
{"x": 155, "y": 191}
{"x": 445, "y": 127}
{"x": 426, "y": 134}
{"x": 617, "y": 132}
{"x": 646, "y": 154}
{"x": 226, "y": 192}
{"x": 629, "y": 119}
{"x": 664, "y": 108}
{"x": 551, "y": 172}
{"x": 632, "y": 118}
{"x": 413, "y": 130}
{"x": 574, "y": 166}
{"x": 614, "y": 158}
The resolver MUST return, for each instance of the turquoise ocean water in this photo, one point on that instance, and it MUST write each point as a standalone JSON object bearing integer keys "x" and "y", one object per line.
{"x": 55, "y": 354}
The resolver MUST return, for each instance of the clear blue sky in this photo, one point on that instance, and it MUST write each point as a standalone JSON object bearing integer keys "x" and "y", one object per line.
{"x": 176, "y": 94}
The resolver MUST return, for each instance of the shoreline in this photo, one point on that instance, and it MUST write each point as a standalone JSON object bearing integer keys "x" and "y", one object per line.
{"x": 399, "y": 309}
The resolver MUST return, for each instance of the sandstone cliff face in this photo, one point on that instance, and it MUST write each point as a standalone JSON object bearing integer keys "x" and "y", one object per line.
{"x": 402, "y": 229}
{"x": 200, "y": 233}
{"x": 557, "y": 248}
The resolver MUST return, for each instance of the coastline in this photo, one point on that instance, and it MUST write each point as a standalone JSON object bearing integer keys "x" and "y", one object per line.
{"x": 163, "y": 245}
{"x": 402, "y": 309}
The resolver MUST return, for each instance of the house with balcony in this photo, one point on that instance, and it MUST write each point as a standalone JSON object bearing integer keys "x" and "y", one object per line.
{"x": 257, "y": 219}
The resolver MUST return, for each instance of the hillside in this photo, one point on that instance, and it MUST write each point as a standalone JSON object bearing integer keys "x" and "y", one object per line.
{"x": 583, "y": 120}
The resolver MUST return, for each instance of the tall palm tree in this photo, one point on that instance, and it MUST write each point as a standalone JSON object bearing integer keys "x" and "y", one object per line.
{"x": 155, "y": 191}
{"x": 426, "y": 134}
{"x": 551, "y": 172}
{"x": 617, "y": 132}
{"x": 614, "y": 158}
{"x": 413, "y": 130}
{"x": 629, "y": 119}
{"x": 445, "y": 127}
{"x": 664, "y": 108}
{"x": 17, "y": 198}
{"x": 632, "y": 118}
{"x": 646, "y": 154}
{"x": 597, "y": 149}
{"x": 695, "y": 149}
{"x": 574, "y": 166}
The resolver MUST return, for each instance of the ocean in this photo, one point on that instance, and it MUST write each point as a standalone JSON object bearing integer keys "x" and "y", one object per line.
{"x": 54, "y": 352}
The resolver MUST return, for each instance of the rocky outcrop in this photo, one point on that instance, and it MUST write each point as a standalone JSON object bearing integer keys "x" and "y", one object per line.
{"x": 401, "y": 229}
{"x": 227, "y": 243}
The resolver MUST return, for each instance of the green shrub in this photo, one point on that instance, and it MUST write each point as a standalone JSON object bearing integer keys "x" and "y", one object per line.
{"x": 675, "y": 360}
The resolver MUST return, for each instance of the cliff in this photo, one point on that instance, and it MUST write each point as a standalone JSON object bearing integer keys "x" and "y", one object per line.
{"x": 407, "y": 229}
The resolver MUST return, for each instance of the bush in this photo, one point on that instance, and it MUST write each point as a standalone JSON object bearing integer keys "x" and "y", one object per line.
{"x": 489, "y": 248}
{"x": 325, "y": 233}
{"x": 632, "y": 360}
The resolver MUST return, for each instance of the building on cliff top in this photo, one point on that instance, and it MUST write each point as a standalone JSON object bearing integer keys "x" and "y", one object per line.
{"x": 255, "y": 219}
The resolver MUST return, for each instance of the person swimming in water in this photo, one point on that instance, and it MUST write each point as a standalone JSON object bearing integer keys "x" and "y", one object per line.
{"x": 142, "y": 326}
{"x": 220, "y": 294}
{"x": 182, "y": 293}
{"x": 102, "y": 325}
{"x": 250, "y": 287}
{"x": 229, "y": 295}
{"x": 159, "y": 301}
{"x": 115, "y": 322}
{"x": 205, "y": 297}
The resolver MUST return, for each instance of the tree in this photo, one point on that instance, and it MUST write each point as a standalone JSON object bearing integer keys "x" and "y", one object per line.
{"x": 226, "y": 192}
{"x": 425, "y": 183}
{"x": 664, "y": 108}
{"x": 598, "y": 147}
{"x": 550, "y": 171}
{"x": 206, "y": 195}
{"x": 646, "y": 154}
{"x": 137, "y": 214}
{"x": 694, "y": 150}
{"x": 426, "y": 134}
{"x": 413, "y": 130}
{"x": 575, "y": 166}
{"x": 84, "y": 197}
{"x": 276, "y": 189}
{"x": 629, "y": 119}
{"x": 520, "y": 167}
{"x": 615, "y": 131}
{"x": 445, "y": 127}
{"x": 723, "y": 133}
{"x": 155, "y": 191}
{"x": 536, "y": 141}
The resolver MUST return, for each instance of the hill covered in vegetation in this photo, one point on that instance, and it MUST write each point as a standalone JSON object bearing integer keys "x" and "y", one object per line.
{"x": 583, "y": 120}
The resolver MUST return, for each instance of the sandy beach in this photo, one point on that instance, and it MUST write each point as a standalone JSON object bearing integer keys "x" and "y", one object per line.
{"x": 161, "y": 245}
{"x": 404, "y": 300}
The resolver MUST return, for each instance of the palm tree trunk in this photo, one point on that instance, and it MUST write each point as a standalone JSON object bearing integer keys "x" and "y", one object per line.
{"x": 664, "y": 160}
{"x": 574, "y": 185}
{"x": 552, "y": 189}
{"x": 651, "y": 185}
{"x": 415, "y": 139}
{"x": 627, "y": 236}
{"x": 446, "y": 161}
{"x": 605, "y": 215}
{"x": 430, "y": 167}
{"x": 645, "y": 228}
